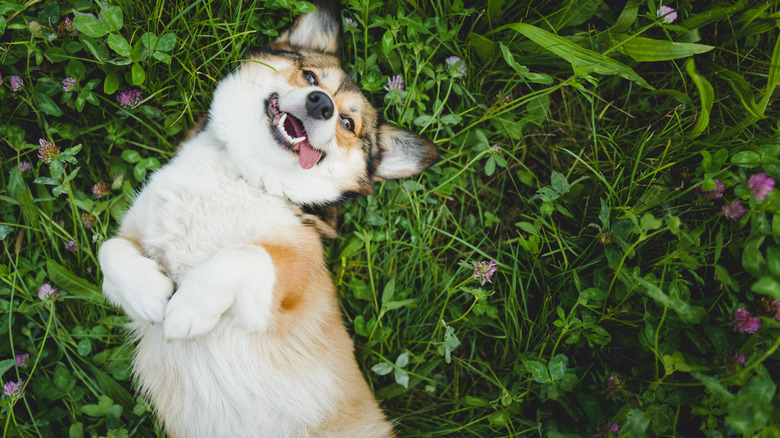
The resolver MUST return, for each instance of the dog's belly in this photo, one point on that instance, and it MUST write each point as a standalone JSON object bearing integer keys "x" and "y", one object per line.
{"x": 233, "y": 383}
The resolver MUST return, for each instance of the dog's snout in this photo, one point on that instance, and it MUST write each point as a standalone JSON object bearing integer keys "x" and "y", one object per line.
{"x": 319, "y": 105}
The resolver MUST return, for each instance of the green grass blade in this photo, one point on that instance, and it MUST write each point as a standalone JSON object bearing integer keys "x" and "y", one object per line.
{"x": 772, "y": 79}
{"x": 627, "y": 17}
{"x": 687, "y": 312}
{"x": 743, "y": 92}
{"x": 77, "y": 286}
{"x": 642, "y": 49}
{"x": 707, "y": 94}
{"x": 582, "y": 60}
{"x": 774, "y": 76}
{"x": 714, "y": 14}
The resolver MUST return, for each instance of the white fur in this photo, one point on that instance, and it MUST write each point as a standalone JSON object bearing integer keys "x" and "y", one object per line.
{"x": 244, "y": 275}
{"x": 221, "y": 385}
{"x": 194, "y": 218}
{"x": 238, "y": 116}
{"x": 320, "y": 132}
{"x": 136, "y": 283}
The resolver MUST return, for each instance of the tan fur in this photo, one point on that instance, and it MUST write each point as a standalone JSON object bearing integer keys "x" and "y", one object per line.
{"x": 306, "y": 301}
{"x": 306, "y": 304}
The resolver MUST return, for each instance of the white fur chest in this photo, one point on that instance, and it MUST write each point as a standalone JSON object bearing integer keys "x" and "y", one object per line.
{"x": 197, "y": 205}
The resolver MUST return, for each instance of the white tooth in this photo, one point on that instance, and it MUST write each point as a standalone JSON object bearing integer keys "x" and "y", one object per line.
{"x": 298, "y": 140}
{"x": 281, "y": 122}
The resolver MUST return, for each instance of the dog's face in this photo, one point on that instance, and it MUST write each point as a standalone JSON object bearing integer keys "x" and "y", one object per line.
{"x": 296, "y": 124}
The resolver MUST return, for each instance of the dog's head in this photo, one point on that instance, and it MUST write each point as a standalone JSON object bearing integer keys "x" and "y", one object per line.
{"x": 296, "y": 124}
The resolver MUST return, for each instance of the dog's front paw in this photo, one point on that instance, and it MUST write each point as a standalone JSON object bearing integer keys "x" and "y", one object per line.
{"x": 149, "y": 296}
{"x": 196, "y": 307}
{"x": 133, "y": 281}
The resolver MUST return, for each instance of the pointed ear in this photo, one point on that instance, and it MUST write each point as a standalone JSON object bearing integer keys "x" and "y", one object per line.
{"x": 316, "y": 31}
{"x": 403, "y": 153}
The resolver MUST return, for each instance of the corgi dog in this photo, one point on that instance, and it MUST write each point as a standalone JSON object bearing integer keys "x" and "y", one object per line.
{"x": 219, "y": 263}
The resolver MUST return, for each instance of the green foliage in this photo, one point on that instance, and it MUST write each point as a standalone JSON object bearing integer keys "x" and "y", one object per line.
{"x": 595, "y": 152}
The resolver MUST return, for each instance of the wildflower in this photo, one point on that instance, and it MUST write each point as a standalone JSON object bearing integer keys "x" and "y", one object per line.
{"x": 503, "y": 100}
{"x": 101, "y": 189}
{"x": 744, "y": 322}
{"x": 605, "y": 238}
{"x": 456, "y": 66}
{"x": 734, "y": 211}
{"x": 607, "y": 429}
{"x": 72, "y": 246}
{"x": 777, "y": 315}
{"x": 16, "y": 83}
{"x": 35, "y": 27}
{"x": 1, "y": 79}
{"x": 768, "y": 307}
{"x": 65, "y": 27}
{"x": 13, "y": 389}
{"x": 484, "y": 271}
{"x": 395, "y": 83}
{"x": 734, "y": 360}
{"x": 666, "y": 14}
{"x": 129, "y": 98}
{"x": 613, "y": 386}
{"x": 48, "y": 292}
{"x": 47, "y": 150}
{"x": 350, "y": 24}
{"x": 24, "y": 166}
{"x": 760, "y": 186}
{"x": 715, "y": 193}
{"x": 496, "y": 148}
{"x": 88, "y": 219}
{"x": 69, "y": 84}
{"x": 22, "y": 360}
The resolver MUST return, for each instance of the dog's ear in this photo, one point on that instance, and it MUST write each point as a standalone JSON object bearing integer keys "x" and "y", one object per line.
{"x": 316, "y": 31}
{"x": 403, "y": 153}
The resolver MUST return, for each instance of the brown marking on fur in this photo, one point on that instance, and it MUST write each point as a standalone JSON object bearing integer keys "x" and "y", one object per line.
{"x": 299, "y": 268}
{"x": 320, "y": 62}
{"x": 325, "y": 228}
{"x": 134, "y": 240}
{"x": 344, "y": 102}
{"x": 192, "y": 132}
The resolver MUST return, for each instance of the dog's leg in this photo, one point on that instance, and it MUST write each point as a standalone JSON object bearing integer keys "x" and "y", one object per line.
{"x": 239, "y": 276}
{"x": 133, "y": 281}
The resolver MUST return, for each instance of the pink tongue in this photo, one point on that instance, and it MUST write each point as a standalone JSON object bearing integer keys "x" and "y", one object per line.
{"x": 307, "y": 155}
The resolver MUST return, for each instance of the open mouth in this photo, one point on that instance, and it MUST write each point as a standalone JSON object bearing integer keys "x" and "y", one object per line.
{"x": 290, "y": 133}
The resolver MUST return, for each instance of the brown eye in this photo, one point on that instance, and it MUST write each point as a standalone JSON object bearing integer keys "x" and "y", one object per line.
{"x": 348, "y": 123}
{"x": 310, "y": 77}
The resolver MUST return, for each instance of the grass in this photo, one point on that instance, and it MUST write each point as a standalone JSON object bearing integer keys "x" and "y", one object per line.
{"x": 575, "y": 151}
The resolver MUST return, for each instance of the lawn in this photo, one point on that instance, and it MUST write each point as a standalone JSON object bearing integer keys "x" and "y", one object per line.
{"x": 597, "y": 253}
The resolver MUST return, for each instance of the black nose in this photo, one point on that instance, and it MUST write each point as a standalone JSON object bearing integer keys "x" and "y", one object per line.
{"x": 319, "y": 105}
